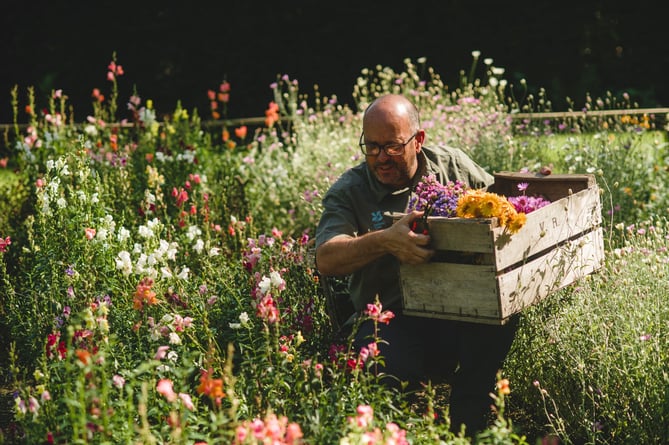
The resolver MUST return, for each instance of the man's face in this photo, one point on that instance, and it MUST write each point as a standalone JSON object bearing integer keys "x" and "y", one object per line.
{"x": 395, "y": 171}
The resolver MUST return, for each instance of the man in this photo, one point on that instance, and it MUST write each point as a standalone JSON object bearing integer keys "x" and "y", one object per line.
{"x": 356, "y": 237}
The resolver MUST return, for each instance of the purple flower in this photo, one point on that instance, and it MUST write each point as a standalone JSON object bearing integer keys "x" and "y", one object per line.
{"x": 434, "y": 198}
{"x": 522, "y": 186}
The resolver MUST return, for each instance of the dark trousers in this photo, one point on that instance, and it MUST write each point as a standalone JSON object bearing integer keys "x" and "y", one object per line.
{"x": 466, "y": 355}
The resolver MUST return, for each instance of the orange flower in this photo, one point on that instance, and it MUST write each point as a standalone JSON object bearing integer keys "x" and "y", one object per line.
{"x": 144, "y": 294}
{"x": 271, "y": 114}
{"x": 83, "y": 355}
{"x": 240, "y": 132}
{"x": 503, "y": 386}
{"x": 210, "y": 386}
{"x": 225, "y": 135}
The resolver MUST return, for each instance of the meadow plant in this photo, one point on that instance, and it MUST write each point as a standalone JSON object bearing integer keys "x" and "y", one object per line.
{"x": 602, "y": 380}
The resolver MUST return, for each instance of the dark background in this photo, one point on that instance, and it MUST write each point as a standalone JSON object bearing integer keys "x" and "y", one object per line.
{"x": 178, "y": 50}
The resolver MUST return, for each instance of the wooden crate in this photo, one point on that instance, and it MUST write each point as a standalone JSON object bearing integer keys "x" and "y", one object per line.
{"x": 483, "y": 274}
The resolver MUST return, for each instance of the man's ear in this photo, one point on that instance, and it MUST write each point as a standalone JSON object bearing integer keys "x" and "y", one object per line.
{"x": 420, "y": 138}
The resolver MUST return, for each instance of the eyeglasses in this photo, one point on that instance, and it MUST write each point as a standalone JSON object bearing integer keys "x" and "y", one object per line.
{"x": 393, "y": 149}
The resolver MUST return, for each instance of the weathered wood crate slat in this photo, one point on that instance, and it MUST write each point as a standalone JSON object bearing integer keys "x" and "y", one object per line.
{"x": 483, "y": 274}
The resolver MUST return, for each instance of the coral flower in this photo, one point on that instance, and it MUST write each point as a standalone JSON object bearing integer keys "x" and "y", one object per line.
{"x": 240, "y": 132}
{"x": 83, "y": 355}
{"x": 165, "y": 388}
{"x": 211, "y": 387}
{"x": 144, "y": 294}
{"x": 503, "y": 386}
{"x": 271, "y": 114}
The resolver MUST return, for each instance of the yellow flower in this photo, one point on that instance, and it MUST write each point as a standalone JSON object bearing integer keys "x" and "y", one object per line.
{"x": 482, "y": 204}
{"x": 517, "y": 222}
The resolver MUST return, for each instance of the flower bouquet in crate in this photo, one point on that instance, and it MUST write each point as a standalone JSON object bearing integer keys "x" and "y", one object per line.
{"x": 504, "y": 248}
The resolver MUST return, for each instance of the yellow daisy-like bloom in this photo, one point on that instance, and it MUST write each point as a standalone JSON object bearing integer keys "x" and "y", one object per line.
{"x": 482, "y": 204}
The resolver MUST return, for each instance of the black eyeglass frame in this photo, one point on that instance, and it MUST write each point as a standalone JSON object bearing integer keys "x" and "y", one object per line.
{"x": 395, "y": 146}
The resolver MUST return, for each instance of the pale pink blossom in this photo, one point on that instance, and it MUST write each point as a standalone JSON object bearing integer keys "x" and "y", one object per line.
{"x": 165, "y": 388}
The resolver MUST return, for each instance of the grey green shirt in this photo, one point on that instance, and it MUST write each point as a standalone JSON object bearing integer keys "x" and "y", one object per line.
{"x": 358, "y": 203}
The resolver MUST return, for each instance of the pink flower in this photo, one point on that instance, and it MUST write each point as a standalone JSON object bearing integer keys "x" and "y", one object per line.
{"x": 118, "y": 381}
{"x": 293, "y": 433}
{"x": 187, "y": 401}
{"x": 374, "y": 311}
{"x": 386, "y": 316}
{"x": 165, "y": 388}
{"x": 365, "y": 416}
{"x": 522, "y": 186}
{"x": 4, "y": 243}
{"x": 161, "y": 352}
{"x": 90, "y": 233}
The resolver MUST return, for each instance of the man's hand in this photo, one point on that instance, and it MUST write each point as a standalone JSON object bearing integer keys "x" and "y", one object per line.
{"x": 407, "y": 245}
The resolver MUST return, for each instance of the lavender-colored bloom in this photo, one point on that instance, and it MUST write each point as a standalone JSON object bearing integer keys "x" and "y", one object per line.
{"x": 436, "y": 199}
{"x": 69, "y": 271}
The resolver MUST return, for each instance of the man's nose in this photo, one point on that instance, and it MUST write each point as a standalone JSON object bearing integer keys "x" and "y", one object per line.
{"x": 383, "y": 156}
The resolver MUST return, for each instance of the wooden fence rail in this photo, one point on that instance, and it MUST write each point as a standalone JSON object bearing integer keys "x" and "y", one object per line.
{"x": 661, "y": 114}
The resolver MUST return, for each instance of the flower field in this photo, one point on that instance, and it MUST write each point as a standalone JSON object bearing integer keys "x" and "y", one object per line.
{"x": 157, "y": 282}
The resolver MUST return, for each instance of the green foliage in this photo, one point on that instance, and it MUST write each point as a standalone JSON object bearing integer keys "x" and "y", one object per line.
{"x": 596, "y": 353}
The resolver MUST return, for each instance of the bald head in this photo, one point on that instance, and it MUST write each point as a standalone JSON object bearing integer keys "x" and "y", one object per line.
{"x": 393, "y": 107}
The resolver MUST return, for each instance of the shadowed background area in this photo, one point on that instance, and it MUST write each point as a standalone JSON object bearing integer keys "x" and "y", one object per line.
{"x": 174, "y": 51}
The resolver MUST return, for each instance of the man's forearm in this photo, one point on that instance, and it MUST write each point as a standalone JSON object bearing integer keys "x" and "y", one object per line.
{"x": 343, "y": 255}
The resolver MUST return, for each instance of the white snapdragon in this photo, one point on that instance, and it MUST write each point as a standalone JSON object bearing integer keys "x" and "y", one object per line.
{"x": 192, "y": 232}
{"x": 243, "y": 321}
{"x": 123, "y": 234}
{"x": 124, "y": 263}
{"x": 183, "y": 275}
{"x": 188, "y": 156}
{"x": 214, "y": 251}
{"x": 102, "y": 234}
{"x": 145, "y": 231}
{"x": 198, "y": 246}
{"x": 91, "y": 130}
{"x": 174, "y": 338}
{"x": 61, "y": 203}
{"x": 153, "y": 224}
{"x": 264, "y": 285}
{"x": 276, "y": 279}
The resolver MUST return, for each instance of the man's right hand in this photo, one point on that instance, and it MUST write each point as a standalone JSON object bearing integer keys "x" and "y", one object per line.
{"x": 409, "y": 246}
